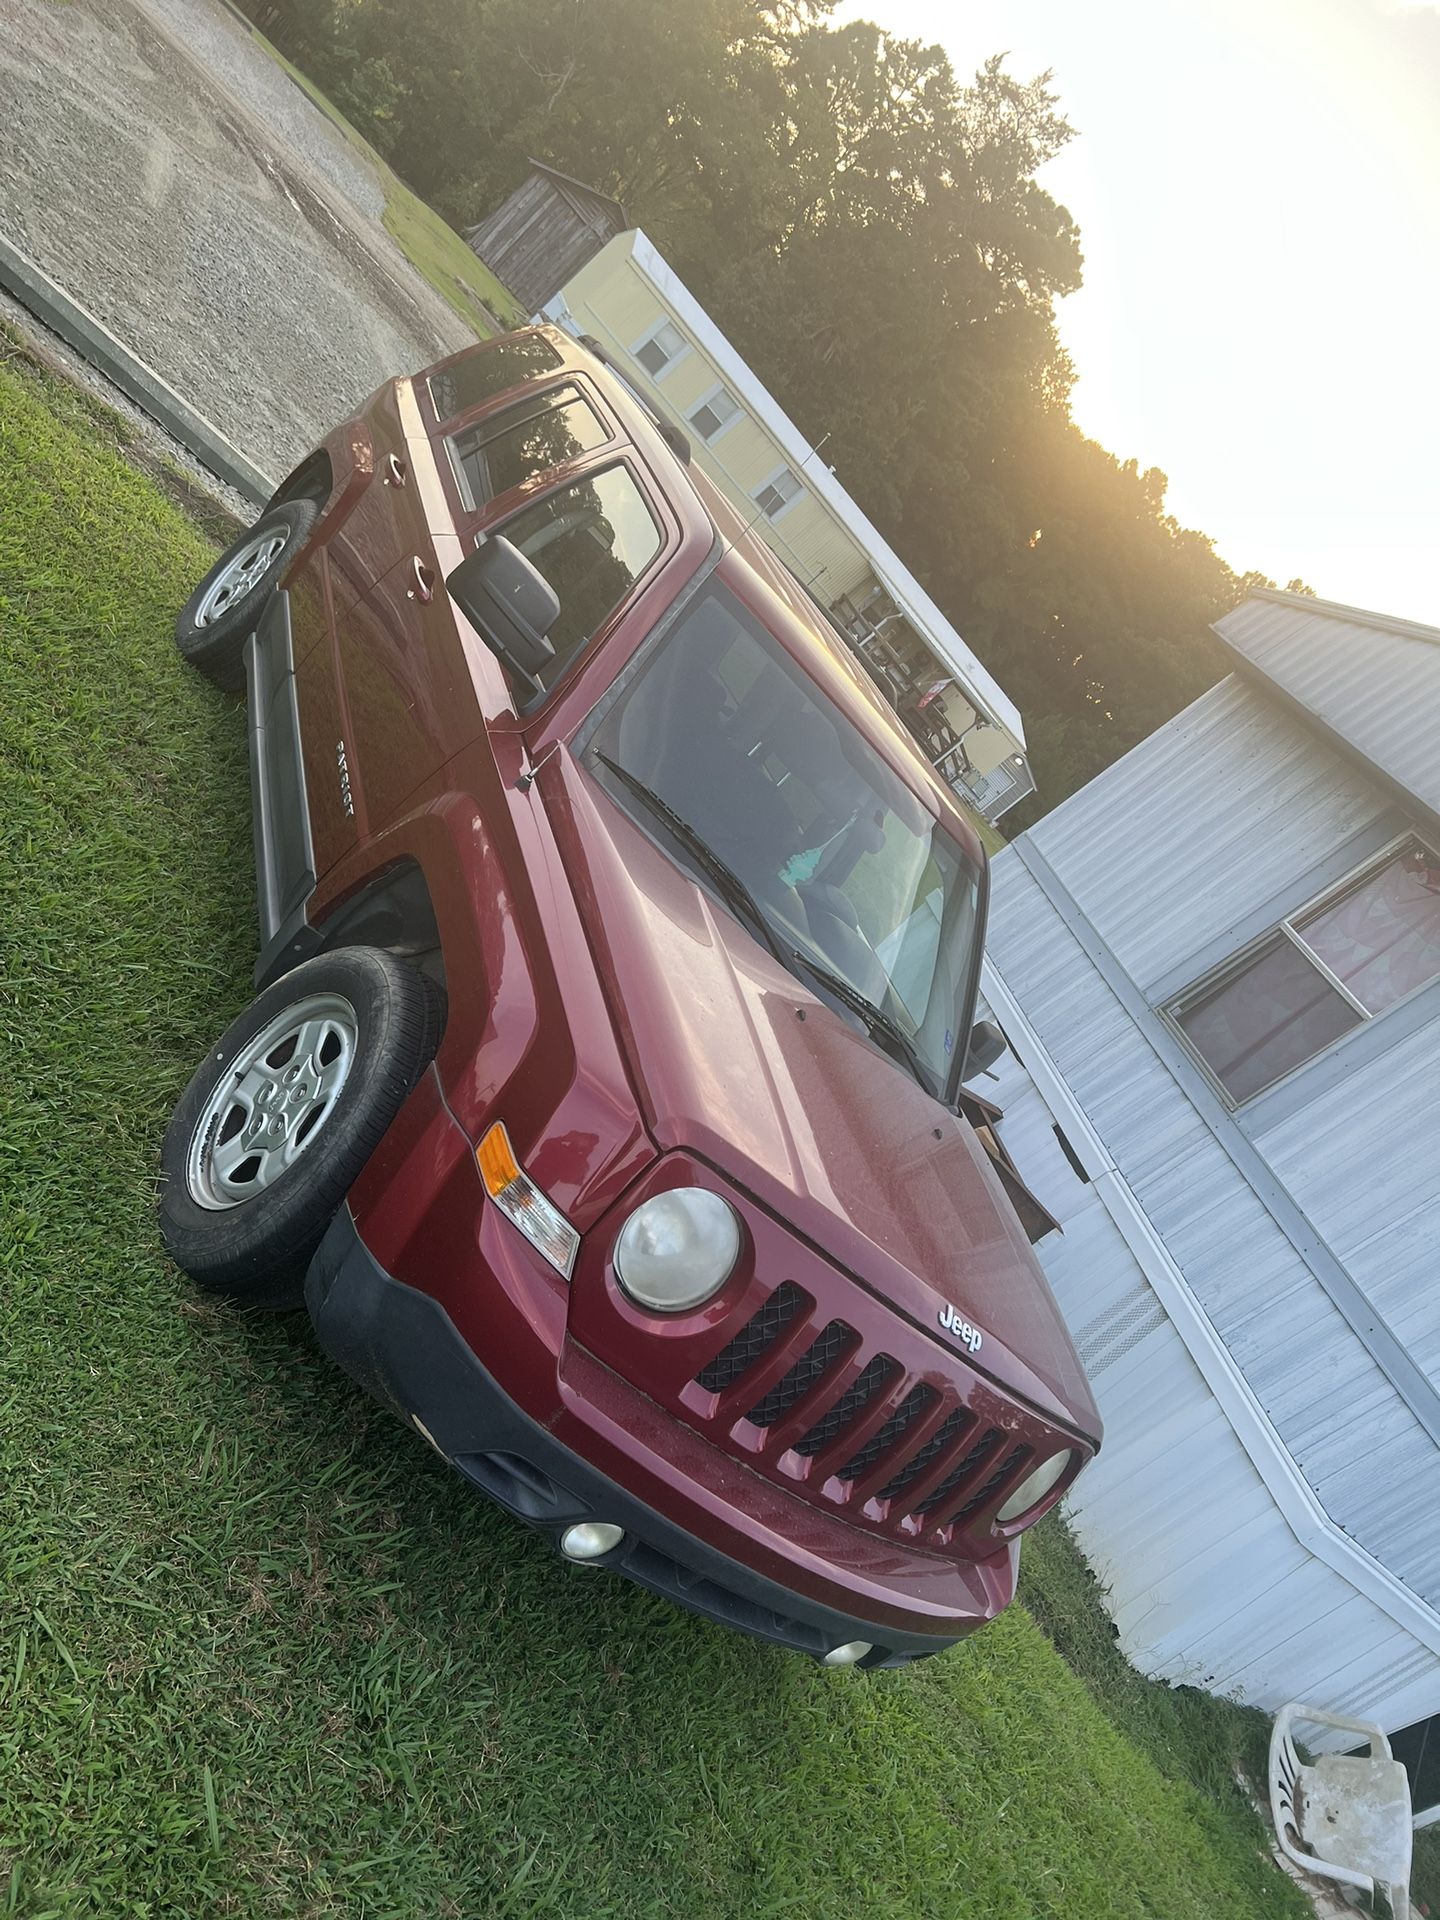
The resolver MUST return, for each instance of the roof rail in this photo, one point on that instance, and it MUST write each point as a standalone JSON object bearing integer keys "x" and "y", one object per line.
{"x": 669, "y": 430}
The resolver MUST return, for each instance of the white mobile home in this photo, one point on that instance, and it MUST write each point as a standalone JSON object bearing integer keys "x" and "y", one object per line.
{"x": 1219, "y": 969}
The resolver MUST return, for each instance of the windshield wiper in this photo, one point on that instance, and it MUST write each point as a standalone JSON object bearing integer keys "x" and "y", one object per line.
{"x": 734, "y": 890}
{"x": 879, "y": 1023}
{"x": 729, "y": 884}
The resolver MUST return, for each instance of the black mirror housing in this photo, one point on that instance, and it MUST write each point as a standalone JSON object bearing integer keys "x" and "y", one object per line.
{"x": 510, "y": 604}
{"x": 987, "y": 1043}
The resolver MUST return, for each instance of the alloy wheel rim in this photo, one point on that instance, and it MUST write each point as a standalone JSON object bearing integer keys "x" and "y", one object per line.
{"x": 272, "y": 1103}
{"x": 241, "y": 574}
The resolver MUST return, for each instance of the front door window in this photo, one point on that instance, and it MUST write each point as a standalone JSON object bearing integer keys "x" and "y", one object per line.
{"x": 592, "y": 541}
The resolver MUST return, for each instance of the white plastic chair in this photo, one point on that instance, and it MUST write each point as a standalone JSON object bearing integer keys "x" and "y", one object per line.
{"x": 1347, "y": 1817}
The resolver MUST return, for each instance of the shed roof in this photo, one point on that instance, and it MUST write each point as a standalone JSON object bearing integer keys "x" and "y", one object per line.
{"x": 892, "y": 573}
{"x": 581, "y": 186}
{"x": 1367, "y": 681}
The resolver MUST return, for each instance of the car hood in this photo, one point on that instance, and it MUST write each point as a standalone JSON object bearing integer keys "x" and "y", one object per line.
{"x": 739, "y": 1062}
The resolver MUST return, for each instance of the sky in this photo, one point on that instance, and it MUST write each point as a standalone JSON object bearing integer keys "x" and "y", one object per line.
{"x": 1257, "y": 186}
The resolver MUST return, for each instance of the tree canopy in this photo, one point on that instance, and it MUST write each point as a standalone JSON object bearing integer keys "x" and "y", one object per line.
{"x": 871, "y": 232}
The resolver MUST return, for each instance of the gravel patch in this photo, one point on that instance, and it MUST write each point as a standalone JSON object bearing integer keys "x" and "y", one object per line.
{"x": 214, "y": 37}
{"x": 160, "y": 166}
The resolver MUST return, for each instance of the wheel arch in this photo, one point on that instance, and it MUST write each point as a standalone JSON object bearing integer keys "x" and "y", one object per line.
{"x": 313, "y": 479}
{"x": 392, "y": 909}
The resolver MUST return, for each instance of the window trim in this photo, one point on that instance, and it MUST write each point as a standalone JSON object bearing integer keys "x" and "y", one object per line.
{"x": 468, "y": 518}
{"x": 1176, "y": 1004}
{"x": 675, "y": 359}
{"x": 705, "y": 399}
{"x": 769, "y": 481}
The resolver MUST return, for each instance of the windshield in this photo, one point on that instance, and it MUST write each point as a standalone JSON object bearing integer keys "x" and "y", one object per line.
{"x": 843, "y": 860}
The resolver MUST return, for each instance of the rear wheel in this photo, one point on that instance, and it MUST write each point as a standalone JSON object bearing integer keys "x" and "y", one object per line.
{"x": 276, "y": 1125}
{"x": 225, "y": 609}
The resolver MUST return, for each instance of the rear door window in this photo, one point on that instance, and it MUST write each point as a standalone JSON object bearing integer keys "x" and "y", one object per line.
{"x": 488, "y": 371}
{"x": 592, "y": 541}
{"x": 508, "y": 448}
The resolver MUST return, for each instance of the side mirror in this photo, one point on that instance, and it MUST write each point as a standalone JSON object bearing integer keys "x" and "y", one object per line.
{"x": 510, "y": 604}
{"x": 987, "y": 1043}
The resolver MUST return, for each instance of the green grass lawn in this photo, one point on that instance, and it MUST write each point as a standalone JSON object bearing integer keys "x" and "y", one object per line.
{"x": 429, "y": 243}
{"x": 260, "y": 1654}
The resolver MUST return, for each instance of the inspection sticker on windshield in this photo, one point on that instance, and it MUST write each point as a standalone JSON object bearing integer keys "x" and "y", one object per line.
{"x": 967, "y": 1335}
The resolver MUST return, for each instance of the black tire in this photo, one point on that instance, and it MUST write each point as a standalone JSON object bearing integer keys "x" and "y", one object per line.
{"x": 212, "y": 637}
{"x": 254, "y": 1250}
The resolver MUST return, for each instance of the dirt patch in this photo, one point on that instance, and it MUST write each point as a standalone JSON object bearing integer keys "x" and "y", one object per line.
{"x": 158, "y": 164}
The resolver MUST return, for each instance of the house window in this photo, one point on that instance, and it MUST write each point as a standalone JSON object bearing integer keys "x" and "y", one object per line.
{"x": 1341, "y": 960}
{"x": 660, "y": 349}
{"x": 714, "y": 413}
{"x": 777, "y": 493}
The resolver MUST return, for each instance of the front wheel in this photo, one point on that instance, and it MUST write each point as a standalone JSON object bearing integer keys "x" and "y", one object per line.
{"x": 276, "y": 1125}
{"x": 225, "y": 609}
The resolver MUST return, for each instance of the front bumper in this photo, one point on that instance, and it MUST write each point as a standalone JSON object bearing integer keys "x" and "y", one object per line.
{"x": 403, "y": 1348}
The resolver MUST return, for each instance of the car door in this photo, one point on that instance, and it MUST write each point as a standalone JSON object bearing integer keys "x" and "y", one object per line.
{"x": 409, "y": 697}
{"x": 387, "y": 522}
{"x": 408, "y": 694}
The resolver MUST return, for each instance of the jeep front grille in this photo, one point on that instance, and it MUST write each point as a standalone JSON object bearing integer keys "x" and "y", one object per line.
{"x": 845, "y": 1409}
{"x": 858, "y": 1431}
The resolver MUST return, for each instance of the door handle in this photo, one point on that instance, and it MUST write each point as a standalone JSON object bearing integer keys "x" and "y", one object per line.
{"x": 396, "y": 472}
{"x": 422, "y": 582}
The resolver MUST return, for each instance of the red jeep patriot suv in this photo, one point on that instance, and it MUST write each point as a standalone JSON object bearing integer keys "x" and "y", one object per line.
{"x": 602, "y": 1095}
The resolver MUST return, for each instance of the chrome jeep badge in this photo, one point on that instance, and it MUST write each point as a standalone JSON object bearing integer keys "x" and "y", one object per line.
{"x": 967, "y": 1335}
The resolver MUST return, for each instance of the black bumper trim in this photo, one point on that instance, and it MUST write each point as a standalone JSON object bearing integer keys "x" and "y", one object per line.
{"x": 404, "y": 1349}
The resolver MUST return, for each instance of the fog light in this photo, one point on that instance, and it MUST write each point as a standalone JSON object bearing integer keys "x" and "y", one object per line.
{"x": 847, "y": 1655}
{"x": 591, "y": 1540}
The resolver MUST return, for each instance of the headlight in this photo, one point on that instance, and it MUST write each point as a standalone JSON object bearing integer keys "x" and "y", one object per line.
{"x": 1034, "y": 1487}
{"x": 677, "y": 1249}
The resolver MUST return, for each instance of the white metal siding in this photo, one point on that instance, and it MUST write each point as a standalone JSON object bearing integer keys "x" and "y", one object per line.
{"x": 1207, "y": 1583}
{"x": 1374, "y": 682}
{"x": 1372, "y": 1465}
{"x": 1366, "y": 1168}
{"x": 1264, "y": 1505}
{"x": 1200, "y": 824}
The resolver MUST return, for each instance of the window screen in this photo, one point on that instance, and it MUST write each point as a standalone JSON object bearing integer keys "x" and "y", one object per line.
{"x": 529, "y": 438}
{"x": 1329, "y": 968}
{"x": 1381, "y": 938}
{"x": 777, "y": 494}
{"x": 713, "y": 414}
{"x": 662, "y": 346}
{"x": 591, "y": 541}
{"x": 490, "y": 370}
